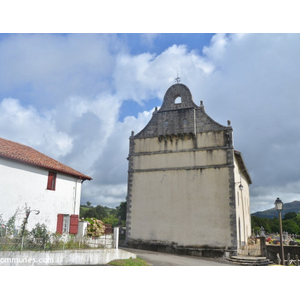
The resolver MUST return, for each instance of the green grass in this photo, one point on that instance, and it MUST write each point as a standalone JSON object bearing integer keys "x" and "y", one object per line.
{"x": 129, "y": 262}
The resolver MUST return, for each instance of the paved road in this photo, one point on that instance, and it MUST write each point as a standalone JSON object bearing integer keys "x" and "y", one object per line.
{"x": 166, "y": 259}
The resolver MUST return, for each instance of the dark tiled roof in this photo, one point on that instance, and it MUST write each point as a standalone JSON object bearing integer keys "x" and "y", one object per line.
{"x": 30, "y": 156}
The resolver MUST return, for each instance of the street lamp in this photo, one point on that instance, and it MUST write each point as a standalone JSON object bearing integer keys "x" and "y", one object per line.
{"x": 279, "y": 205}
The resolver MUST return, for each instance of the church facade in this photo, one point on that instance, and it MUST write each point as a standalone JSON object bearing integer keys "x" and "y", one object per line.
{"x": 188, "y": 188}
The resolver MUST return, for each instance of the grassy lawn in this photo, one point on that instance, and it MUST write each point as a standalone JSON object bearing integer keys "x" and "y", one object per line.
{"x": 129, "y": 262}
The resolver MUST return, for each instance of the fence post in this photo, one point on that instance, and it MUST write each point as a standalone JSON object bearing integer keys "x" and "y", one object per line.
{"x": 116, "y": 237}
{"x": 263, "y": 248}
{"x": 288, "y": 259}
{"x": 297, "y": 260}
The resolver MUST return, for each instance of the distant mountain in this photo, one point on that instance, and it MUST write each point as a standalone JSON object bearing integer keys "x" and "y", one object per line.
{"x": 271, "y": 213}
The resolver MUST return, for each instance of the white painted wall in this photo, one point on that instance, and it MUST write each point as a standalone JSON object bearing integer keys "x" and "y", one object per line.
{"x": 242, "y": 203}
{"x": 22, "y": 184}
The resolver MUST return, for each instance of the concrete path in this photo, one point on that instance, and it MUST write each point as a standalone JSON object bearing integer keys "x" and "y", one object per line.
{"x": 166, "y": 259}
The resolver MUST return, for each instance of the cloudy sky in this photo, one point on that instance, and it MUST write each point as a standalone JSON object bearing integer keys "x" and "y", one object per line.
{"x": 77, "y": 97}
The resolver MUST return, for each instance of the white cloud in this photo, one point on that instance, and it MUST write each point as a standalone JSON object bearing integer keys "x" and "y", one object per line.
{"x": 27, "y": 126}
{"x": 76, "y": 85}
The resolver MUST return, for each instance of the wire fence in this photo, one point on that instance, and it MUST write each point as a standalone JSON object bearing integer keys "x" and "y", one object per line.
{"x": 55, "y": 242}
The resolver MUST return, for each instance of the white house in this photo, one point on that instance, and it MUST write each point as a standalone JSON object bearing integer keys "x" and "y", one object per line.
{"x": 31, "y": 179}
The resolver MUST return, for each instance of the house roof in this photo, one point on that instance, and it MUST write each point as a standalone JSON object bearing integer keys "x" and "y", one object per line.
{"x": 31, "y": 156}
{"x": 242, "y": 166}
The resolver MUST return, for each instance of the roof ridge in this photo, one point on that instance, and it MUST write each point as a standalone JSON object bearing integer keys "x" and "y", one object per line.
{"x": 29, "y": 155}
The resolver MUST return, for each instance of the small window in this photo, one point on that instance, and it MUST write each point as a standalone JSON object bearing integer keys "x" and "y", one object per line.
{"x": 51, "y": 181}
{"x": 67, "y": 224}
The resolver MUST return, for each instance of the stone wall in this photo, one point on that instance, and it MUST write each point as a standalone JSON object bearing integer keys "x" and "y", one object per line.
{"x": 272, "y": 250}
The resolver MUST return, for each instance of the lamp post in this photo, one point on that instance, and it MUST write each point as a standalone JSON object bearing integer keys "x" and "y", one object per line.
{"x": 279, "y": 205}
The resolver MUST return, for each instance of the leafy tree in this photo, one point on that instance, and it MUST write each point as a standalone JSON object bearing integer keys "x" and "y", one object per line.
{"x": 298, "y": 217}
{"x": 290, "y": 226}
{"x": 258, "y": 222}
{"x": 122, "y": 210}
{"x": 89, "y": 213}
{"x": 290, "y": 216}
{"x": 111, "y": 220}
{"x": 274, "y": 225}
{"x": 101, "y": 212}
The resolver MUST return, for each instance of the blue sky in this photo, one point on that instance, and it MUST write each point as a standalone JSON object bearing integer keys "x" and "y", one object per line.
{"x": 77, "y": 97}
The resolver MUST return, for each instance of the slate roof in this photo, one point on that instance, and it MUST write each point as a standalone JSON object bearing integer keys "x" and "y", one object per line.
{"x": 28, "y": 155}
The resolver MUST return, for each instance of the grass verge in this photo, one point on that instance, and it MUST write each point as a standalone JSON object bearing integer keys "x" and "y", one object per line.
{"x": 128, "y": 262}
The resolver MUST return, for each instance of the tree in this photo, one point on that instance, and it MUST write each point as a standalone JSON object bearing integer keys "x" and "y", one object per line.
{"x": 122, "y": 210}
{"x": 298, "y": 218}
{"x": 290, "y": 226}
{"x": 274, "y": 225}
{"x": 89, "y": 213}
{"x": 290, "y": 216}
{"x": 258, "y": 222}
{"x": 101, "y": 212}
{"x": 111, "y": 219}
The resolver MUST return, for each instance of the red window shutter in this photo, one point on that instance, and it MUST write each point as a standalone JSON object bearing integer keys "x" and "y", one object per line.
{"x": 51, "y": 181}
{"x": 50, "y": 178}
{"x": 59, "y": 226}
{"x": 74, "y": 224}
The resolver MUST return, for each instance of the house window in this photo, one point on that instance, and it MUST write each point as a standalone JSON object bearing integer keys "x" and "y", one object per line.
{"x": 67, "y": 224}
{"x": 51, "y": 181}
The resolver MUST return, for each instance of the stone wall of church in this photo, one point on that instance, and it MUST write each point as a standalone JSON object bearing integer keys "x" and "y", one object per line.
{"x": 180, "y": 191}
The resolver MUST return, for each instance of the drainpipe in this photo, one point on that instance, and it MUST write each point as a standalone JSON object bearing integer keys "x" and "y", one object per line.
{"x": 75, "y": 195}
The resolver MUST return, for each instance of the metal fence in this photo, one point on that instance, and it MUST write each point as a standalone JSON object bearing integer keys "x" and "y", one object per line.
{"x": 55, "y": 242}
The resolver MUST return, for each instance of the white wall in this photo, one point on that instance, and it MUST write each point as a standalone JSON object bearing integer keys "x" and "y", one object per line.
{"x": 22, "y": 184}
{"x": 242, "y": 202}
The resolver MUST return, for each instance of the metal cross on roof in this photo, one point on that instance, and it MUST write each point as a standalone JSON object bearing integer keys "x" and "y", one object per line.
{"x": 177, "y": 79}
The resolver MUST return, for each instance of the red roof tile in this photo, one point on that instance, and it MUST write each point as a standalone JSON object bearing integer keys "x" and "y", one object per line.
{"x": 30, "y": 156}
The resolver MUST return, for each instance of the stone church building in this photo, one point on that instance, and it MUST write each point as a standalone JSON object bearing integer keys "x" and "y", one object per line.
{"x": 188, "y": 188}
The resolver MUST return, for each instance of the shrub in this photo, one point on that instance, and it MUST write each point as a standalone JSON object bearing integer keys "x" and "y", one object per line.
{"x": 95, "y": 227}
